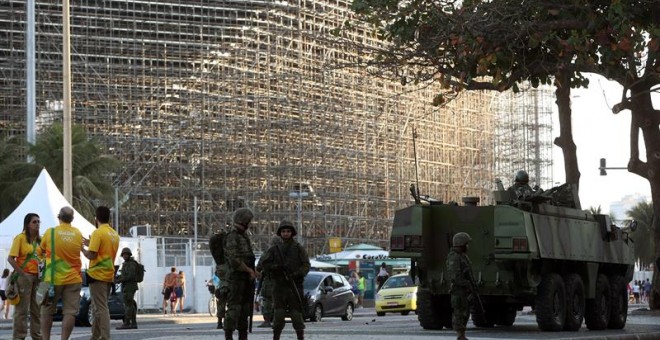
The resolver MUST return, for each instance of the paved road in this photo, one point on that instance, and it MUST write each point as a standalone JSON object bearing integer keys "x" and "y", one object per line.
{"x": 365, "y": 326}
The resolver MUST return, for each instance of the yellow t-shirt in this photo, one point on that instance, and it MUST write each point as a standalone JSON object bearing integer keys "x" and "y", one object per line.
{"x": 20, "y": 249}
{"x": 105, "y": 242}
{"x": 68, "y": 243}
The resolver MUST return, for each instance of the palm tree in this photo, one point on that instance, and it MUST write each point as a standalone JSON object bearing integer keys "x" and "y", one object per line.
{"x": 91, "y": 182}
{"x": 643, "y": 237}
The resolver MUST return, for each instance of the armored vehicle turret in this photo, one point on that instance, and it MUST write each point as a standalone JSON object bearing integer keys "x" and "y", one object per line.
{"x": 532, "y": 248}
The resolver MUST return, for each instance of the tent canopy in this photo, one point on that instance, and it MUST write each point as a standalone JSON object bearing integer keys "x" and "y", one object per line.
{"x": 362, "y": 252}
{"x": 45, "y": 200}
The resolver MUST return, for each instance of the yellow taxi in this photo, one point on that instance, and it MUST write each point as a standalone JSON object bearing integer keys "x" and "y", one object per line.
{"x": 397, "y": 295}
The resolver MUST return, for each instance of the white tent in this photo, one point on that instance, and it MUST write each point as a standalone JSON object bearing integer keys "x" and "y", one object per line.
{"x": 45, "y": 200}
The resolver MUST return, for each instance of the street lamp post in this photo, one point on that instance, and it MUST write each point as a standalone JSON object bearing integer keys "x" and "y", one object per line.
{"x": 298, "y": 195}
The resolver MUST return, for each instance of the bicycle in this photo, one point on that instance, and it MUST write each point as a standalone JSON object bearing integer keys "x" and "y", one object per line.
{"x": 213, "y": 302}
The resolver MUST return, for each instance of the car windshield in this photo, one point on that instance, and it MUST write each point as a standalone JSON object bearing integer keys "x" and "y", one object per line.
{"x": 398, "y": 282}
{"x": 312, "y": 281}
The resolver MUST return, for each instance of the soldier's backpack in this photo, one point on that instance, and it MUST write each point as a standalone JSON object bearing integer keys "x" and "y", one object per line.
{"x": 217, "y": 247}
{"x": 139, "y": 273}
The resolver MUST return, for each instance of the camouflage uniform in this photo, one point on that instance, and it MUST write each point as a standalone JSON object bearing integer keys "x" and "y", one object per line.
{"x": 291, "y": 258}
{"x": 129, "y": 286}
{"x": 459, "y": 272}
{"x": 520, "y": 188}
{"x": 238, "y": 251}
{"x": 215, "y": 243}
{"x": 266, "y": 290}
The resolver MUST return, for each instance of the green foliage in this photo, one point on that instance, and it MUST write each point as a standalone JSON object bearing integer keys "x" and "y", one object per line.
{"x": 91, "y": 169}
{"x": 485, "y": 44}
{"x": 643, "y": 236}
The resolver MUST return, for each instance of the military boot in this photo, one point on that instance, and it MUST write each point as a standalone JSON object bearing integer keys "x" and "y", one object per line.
{"x": 219, "y": 326}
{"x": 301, "y": 334}
{"x": 276, "y": 334}
{"x": 461, "y": 335}
{"x": 229, "y": 335}
{"x": 242, "y": 334}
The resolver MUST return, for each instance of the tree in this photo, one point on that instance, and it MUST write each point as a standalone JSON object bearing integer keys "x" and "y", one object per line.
{"x": 13, "y": 185}
{"x": 502, "y": 44}
{"x": 91, "y": 169}
{"x": 644, "y": 246}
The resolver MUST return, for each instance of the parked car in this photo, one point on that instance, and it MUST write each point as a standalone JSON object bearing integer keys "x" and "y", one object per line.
{"x": 328, "y": 294}
{"x": 85, "y": 316}
{"x": 398, "y": 294}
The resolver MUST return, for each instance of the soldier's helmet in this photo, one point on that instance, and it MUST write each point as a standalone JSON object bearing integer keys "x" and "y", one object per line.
{"x": 461, "y": 239}
{"x": 243, "y": 216}
{"x": 521, "y": 177}
{"x": 285, "y": 224}
{"x": 126, "y": 251}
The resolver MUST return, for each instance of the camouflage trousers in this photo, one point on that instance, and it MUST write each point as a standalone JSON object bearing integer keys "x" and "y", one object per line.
{"x": 239, "y": 303}
{"x": 460, "y": 310}
{"x": 284, "y": 298}
{"x": 221, "y": 297}
{"x": 130, "y": 306}
{"x": 267, "y": 299}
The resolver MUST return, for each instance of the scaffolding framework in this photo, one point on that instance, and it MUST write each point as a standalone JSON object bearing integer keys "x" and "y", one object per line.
{"x": 235, "y": 103}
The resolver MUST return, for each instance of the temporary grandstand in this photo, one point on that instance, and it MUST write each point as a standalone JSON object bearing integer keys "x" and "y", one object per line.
{"x": 231, "y": 104}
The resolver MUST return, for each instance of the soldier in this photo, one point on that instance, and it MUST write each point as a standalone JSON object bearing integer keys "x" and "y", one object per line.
{"x": 128, "y": 280}
{"x": 288, "y": 264}
{"x": 216, "y": 244}
{"x": 520, "y": 188}
{"x": 266, "y": 290}
{"x": 459, "y": 273}
{"x": 240, "y": 275}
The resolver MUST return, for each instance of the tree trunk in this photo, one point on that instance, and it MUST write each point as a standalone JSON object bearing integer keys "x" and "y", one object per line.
{"x": 644, "y": 117}
{"x": 565, "y": 139}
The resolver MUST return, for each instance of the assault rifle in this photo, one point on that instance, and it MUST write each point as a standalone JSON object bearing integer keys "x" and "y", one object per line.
{"x": 475, "y": 294}
{"x": 287, "y": 277}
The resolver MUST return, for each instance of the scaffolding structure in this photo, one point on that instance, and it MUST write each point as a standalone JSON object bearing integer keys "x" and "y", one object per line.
{"x": 213, "y": 105}
{"x": 524, "y": 135}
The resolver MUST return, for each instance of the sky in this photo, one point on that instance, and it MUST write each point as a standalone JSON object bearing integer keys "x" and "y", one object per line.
{"x": 598, "y": 133}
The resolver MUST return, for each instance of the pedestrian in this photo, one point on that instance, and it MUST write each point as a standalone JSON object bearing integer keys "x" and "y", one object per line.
{"x": 288, "y": 264}
{"x": 129, "y": 285}
{"x": 240, "y": 275}
{"x": 4, "y": 281}
{"x": 353, "y": 281}
{"x": 101, "y": 251}
{"x": 382, "y": 276}
{"x": 459, "y": 274}
{"x": 635, "y": 289}
{"x": 24, "y": 258}
{"x": 169, "y": 283}
{"x": 266, "y": 289}
{"x": 647, "y": 290}
{"x": 65, "y": 277}
{"x": 216, "y": 245}
{"x": 180, "y": 291}
{"x": 362, "y": 287}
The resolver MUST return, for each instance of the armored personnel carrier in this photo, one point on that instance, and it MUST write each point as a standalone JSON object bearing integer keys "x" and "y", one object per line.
{"x": 538, "y": 250}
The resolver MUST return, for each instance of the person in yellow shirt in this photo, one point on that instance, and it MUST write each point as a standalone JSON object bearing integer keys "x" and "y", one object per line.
{"x": 23, "y": 257}
{"x": 102, "y": 249}
{"x": 65, "y": 276}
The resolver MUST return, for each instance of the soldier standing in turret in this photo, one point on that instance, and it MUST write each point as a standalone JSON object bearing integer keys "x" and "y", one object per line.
{"x": 288, "y": 264}
{"x": 520, "y": 187}
{"x": 240, "y": 275}
{"x": 129, "y": 285}
{"x": 459, "y": 273}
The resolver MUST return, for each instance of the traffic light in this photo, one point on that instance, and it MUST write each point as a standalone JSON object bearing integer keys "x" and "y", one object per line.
{"x": 602, "y": 167}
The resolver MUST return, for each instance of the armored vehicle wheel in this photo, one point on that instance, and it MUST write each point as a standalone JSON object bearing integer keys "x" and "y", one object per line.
{"x": 429, "y": 311}
{"x": 479, "y": 319}
{"x": 597, "y": 314}
{"x": 619, "y": 302}
{"x": 506, "y": 316}
{"x": 574, "y": 302}
{"x": 551, "y": 303}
